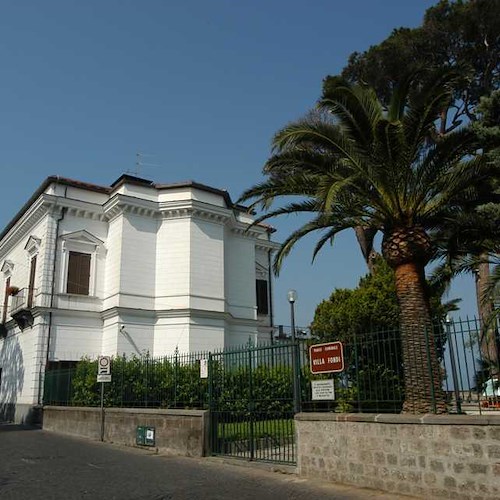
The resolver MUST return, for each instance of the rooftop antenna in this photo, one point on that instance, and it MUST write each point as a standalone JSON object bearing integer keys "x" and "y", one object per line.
{"x": 139, "y": 164}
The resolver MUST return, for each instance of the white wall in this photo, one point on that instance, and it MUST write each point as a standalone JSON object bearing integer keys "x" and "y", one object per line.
{"x": 143, "y": 192}
{"x": 135, "y": 336}
{"x": 138, "y": 262}
{"x": 171, "y": 333}
{"x": 173, "y": 264}
{"x": 21, "y": 259}
{"x": 207, "y": 266}
{"x": 238, "y": 335}
{"x": 75, "y": 335}
{"x": 239, "y": 272}
{"x": 186, "y": 193}
{"x": 77, "y": 193}
{"x": 112, "y": 277}
{"x": 19, "y": 367}
{"x": 206, "y": 334}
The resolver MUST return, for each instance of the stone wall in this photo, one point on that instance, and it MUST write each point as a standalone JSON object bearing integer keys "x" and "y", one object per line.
{"x": 445, "y": 456}
{"x": 177, "y": 432}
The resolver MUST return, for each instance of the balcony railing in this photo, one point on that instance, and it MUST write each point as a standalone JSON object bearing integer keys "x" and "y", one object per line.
{"x": 24, "y": 299}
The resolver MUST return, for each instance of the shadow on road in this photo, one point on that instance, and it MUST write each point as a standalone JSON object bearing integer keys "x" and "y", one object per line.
{"x": 6, "y": 427}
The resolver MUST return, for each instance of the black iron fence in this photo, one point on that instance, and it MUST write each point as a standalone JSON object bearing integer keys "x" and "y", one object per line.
{"x": 251, "y": 403}
{"x": 260, "y": 378}
{"x": 248, "y": 390}
{"x": 165, "y": 382}
{"x": 374, "y": 376}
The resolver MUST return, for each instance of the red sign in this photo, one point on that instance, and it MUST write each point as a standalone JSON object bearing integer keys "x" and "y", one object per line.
{"x": 326, "y": 358}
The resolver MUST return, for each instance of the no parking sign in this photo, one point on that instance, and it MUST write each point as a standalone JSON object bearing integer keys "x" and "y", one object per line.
{"x": 104, "y": 369}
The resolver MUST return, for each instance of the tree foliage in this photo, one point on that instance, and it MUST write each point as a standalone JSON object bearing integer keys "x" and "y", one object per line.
{"x": 357, "y": 163}
{"x": 372, "y": 306}
{"x": 462, "y": 35}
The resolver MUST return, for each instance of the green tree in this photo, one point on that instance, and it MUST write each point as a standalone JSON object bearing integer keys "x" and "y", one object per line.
{"x": 355, "y": 164}
{"x": 461, "y": 35}
{"x": 372, "y": 306}
{"x": 472, "y": 242}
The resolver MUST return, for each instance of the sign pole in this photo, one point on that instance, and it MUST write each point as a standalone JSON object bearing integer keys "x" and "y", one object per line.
{"x": 103, "y": 376}
{"x": 295, "y": 362}
{"x": 102, "y": 411}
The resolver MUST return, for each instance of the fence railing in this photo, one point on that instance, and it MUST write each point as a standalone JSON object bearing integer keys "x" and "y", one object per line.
{"x": 167, "y": 382}
{"x": 23, "y": 299}
{"x": 372, "y": 381}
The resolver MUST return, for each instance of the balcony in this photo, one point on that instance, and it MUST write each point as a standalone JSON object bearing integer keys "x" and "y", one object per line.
{"x": 3, "y": 329}
{"x": 20, "y": 307}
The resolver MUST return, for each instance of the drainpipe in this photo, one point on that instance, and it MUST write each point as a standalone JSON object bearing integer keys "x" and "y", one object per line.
{"x": 53, "y": 288}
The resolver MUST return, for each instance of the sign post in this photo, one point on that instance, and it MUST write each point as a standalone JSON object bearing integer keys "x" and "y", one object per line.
{"x": 103, "y": 376}
{"x": 325, "y": 358}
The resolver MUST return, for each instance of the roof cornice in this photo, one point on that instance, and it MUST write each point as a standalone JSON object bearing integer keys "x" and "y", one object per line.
{"x": 25, "y": 223}
{"x": 122, "y": 203}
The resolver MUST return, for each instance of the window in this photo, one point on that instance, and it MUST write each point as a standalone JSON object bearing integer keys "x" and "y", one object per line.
{"x": 80, "y": 251}
{"x": 7, "y": 269}
{"x": 78, "y": 273}
{"x": 262, "y": 297}
{"x": 31, "y": 286}
{"x": 32, "y": 247}
{"x": 5, "y": 300}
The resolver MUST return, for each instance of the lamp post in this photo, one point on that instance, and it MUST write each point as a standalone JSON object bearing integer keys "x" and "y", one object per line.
{"x": 292, "y": 297}
{"x": 458, "y": 402}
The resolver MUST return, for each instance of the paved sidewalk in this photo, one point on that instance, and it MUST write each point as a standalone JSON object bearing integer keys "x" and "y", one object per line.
{"x": 38, "y": 464}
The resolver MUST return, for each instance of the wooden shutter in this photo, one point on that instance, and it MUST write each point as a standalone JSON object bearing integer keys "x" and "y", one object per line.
{"x": 262, "y": 298}
{"x": 78, "y": 273}
{"x": 31, "y": 287}
{"x": 5, "y": 300}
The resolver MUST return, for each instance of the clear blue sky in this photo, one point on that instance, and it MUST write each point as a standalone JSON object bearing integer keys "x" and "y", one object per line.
{"x": 201, "y": 85}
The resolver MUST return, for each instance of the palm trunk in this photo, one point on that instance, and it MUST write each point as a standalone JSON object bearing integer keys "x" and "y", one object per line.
{"x": 365, "y": 237}
{"x": 423, "y": 375}
{"x": 489, "y": 343}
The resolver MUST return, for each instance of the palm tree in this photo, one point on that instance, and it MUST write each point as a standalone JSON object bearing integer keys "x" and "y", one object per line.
{"x": 470, "y": 244}
{"x": 353, "y": 163}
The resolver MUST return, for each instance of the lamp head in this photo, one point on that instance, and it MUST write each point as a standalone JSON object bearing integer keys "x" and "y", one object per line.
{"x": 292, "y": 296}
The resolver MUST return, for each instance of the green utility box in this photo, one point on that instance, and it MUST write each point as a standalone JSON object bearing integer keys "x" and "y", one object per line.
{"x": 145, "y": 436}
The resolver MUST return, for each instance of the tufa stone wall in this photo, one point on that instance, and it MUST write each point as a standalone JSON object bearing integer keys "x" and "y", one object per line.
{"x": 436, "y": 456}
{"x": 177, "y": 432}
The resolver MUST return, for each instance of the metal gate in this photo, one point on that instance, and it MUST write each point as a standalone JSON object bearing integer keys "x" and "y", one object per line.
{"x": 251, "y": 400}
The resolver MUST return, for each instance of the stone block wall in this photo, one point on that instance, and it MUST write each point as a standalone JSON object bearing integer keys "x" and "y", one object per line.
{"x": 177, "y": 432}
{"x": 436, "y": 456}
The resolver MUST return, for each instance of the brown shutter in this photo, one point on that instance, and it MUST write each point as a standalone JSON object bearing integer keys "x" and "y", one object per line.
{"x": 78, "y": 273}
{"x": 5, "y": 300}
{"x": 262, "y": 298}
{"x": 31, "y": 287}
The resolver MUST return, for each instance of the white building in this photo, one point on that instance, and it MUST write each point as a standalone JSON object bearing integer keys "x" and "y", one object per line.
{"x": 131, "y": 268}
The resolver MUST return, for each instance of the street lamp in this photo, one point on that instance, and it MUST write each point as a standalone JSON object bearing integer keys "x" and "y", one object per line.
{"x": 292, "y": 297}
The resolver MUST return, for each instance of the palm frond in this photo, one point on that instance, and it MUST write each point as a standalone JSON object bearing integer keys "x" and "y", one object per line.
{"x": 356, "y": 109}
{"x": 319, "y": 223}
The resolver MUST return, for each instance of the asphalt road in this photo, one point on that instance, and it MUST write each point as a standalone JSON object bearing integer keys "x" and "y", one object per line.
{"x": 35, "y": 464}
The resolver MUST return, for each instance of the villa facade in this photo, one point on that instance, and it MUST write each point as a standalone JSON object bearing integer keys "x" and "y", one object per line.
{"x": 132, "y": 268}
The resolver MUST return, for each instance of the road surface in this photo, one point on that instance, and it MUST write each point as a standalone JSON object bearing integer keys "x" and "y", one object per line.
{"x": 35, "y": 464}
